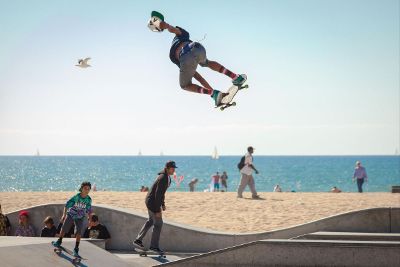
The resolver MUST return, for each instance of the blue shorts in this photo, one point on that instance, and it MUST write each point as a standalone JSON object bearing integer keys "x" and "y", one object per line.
{"x": 216, "y": 186}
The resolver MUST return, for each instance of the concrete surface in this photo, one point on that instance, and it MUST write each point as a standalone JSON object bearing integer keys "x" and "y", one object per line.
{"x": 33, "y": 251}
{"x": 134, "y": 259}
{"x": 300, "y": 253}
{"x": 124, "y": 225}
{"x": 351, "y": 236}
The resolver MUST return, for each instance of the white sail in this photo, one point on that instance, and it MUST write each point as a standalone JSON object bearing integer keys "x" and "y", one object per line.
{"x": 215, "y": 154}
{"x": 37, "y": 153}
{"x": 140, "y": 152}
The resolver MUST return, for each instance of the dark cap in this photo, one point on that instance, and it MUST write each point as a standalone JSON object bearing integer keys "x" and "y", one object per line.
{"x": 170, "y": 164}
{"x": 250, "y": 148}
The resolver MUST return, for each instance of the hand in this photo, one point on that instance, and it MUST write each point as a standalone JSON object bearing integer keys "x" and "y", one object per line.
{"x": 158, "y": 215}
{"x": 354, "y": 180}
{"x": 163, "y": 207}
{"x": 62, "y": 218}
{"x": 256, "y": 172}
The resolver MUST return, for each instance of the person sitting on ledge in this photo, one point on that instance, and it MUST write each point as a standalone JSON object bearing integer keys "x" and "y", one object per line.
{"x": 24, "y": 228}
{"x": 96, "y": 230}
{"x": 49, "y": 230}
{"x": 5, "y": 225}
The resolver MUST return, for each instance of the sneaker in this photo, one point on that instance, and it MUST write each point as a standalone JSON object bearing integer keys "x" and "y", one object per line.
{"x": 218, "y": 96}
{"x": 76, "y": 252}
{"x": 57, "y": 243}
{"x": 157, "y": 250}
{"x": 256, "y": 197}
{"x": 241, "y": 79}
{"x": 239, "y": 196}
{"x": 138, "y": 243}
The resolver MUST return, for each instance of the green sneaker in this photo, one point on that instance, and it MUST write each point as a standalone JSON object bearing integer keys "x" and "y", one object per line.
{"x": 57, "y": 243}
{"x": 216, "y": 96}
{"x": 76, "y": 252}
{"x": 241, "y": 79}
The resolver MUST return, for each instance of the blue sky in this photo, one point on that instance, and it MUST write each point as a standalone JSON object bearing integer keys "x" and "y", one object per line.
{"x": 323, "y": 76}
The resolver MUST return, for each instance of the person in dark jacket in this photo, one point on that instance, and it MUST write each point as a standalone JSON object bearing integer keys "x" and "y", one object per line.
{"x": 155, "y": 204}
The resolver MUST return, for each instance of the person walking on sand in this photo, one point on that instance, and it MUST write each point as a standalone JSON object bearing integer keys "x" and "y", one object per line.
{"x": 215, "y": 180}
{"x": 246, "y": 173}
{"x": 361, "y": 175}
{"x": 224, "y": 183}
{"x": 192, "y": 184}
{"x": 155, "y": 205}
{"x": 74, "y": 212}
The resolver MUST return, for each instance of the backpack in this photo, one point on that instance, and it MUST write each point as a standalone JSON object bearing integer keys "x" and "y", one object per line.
{"x": 241, "y": 163}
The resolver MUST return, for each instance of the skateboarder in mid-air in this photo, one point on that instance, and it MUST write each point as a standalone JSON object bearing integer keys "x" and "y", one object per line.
{"x": 74, "y": 212}
{"x": 187, "y": 54}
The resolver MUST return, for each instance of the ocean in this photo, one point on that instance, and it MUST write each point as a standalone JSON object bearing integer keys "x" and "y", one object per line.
{"x": 129, "y": 173}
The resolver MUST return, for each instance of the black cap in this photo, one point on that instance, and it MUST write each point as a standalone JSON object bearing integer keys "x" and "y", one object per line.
{"x": 170, "y": 164}
{"x": 250, "y": 148}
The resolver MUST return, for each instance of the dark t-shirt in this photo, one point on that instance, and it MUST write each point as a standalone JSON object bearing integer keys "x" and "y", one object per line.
{"x": 178, "y": 39}
{"x": 97, "y": 232}
{"x": 48, "y": 232}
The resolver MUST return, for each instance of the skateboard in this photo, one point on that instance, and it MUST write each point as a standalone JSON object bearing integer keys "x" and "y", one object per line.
{"x": 75, "y": 260}
{"x": 226, "y": 102}
{"x": 143, "y": 252}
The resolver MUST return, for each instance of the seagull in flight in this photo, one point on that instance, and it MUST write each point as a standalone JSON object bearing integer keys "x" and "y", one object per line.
{"x": 83, "y": 63}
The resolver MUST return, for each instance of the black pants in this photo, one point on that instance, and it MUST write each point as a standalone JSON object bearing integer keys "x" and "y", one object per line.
{"x": 359, "y": 184}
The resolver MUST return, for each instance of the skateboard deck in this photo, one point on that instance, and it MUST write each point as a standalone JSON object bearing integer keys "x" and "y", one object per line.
{"x": 59, "y": 250}
{"x": 143, "y": 252}
{"x": 227, "y": 101}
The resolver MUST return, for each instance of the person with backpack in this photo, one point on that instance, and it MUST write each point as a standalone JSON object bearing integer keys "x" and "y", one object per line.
{"x": 187, "y": 55}
{"x": 246, "y": 168}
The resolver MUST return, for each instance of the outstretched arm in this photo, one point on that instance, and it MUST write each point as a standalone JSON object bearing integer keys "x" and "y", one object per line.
{"x": 171, "y": 29}
{"x": 201, "y": 80}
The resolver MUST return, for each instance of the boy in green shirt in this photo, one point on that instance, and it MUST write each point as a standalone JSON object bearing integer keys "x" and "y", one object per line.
{"x": 74, "y": 212}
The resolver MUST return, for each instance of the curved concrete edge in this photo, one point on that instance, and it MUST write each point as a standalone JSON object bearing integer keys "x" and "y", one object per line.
{"x": 124, "y": 225}
{"x": 282, "y": 252}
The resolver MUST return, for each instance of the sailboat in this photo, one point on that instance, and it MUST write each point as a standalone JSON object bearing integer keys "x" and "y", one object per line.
{"x": 161, "y": 153}
{"x": 37, "y": 153}
{"x": 140, "y": 152}
{"x": 215, "y": 154}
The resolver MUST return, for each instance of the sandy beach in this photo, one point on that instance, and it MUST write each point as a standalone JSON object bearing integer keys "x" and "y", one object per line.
{"x": 223, "y": 211}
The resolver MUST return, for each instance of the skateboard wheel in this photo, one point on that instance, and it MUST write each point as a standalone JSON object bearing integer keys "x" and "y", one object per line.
{"x": 233, "y": 103}
{"x": 222, "y": 108}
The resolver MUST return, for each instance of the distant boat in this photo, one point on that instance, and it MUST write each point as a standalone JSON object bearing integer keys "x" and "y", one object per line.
{"x": 161, "y": 153}
{"x": 37, "y": 153}
{"x": 215, "y": 154}
{"x": 140, "y": 152}
{"x": 396, "y": 152}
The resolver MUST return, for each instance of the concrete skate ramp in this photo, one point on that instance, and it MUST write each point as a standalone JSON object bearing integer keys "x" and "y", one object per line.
{"x": 37, "y": 251}
{"x": 275, "y": 252}
{"x": 124, "y": 225}
{"x": 351, "y": 236}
